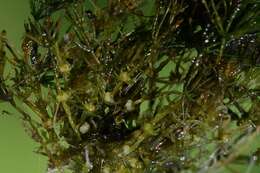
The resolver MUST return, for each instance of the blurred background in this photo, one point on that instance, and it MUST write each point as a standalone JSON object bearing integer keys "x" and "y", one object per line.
{"x": 16, "y": 147}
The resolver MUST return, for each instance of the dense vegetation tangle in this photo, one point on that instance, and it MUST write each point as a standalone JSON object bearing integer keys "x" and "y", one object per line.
{"x": 149, "y": 86}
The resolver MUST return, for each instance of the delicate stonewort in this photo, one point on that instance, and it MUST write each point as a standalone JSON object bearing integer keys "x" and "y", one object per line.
{"x": 138, "y": 85}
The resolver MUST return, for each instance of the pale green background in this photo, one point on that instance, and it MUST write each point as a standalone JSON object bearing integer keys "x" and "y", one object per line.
{"x": 16, "y": 148}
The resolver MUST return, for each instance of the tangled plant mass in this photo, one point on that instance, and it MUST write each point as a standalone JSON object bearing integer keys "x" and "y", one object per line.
{"x": 147, "y": 86}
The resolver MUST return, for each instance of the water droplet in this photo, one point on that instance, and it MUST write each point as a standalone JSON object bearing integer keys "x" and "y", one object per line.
{"x": 87, "y": 159}
{"x": 220, "y": 79}
{"x": 220, "y": 114}
{"x": 84, "y": 128}
{"x": 113, "y": 51}
{"x": 130, "y": 105}
{"x": 148, "y": 54}
{"x": 154, "y": 162}
{"x": 254, "y": 158}
{"x": 252, "y": 41}
{"x": 236, "y": 10}
{"x": 66, "y": 38}
{"x": 180, "y": 135}
{"x": 170, "y": 165}
{"x": 89, "y": 14}
{"x": 126, "y": 149}
{"x": 182, "y": 158}
{"x": 157, "y": 147}
{"x": 108, "y": 97}
{"x": 106, "y": 170}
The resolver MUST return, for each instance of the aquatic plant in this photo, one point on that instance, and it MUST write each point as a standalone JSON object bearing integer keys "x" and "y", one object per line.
{"x": 145, "y": 86}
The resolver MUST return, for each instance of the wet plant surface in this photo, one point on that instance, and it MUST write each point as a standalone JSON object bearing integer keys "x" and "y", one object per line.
{"x": 138, "y": 86}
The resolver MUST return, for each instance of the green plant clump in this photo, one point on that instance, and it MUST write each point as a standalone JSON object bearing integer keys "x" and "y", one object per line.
{"x": 139, "y": 86}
